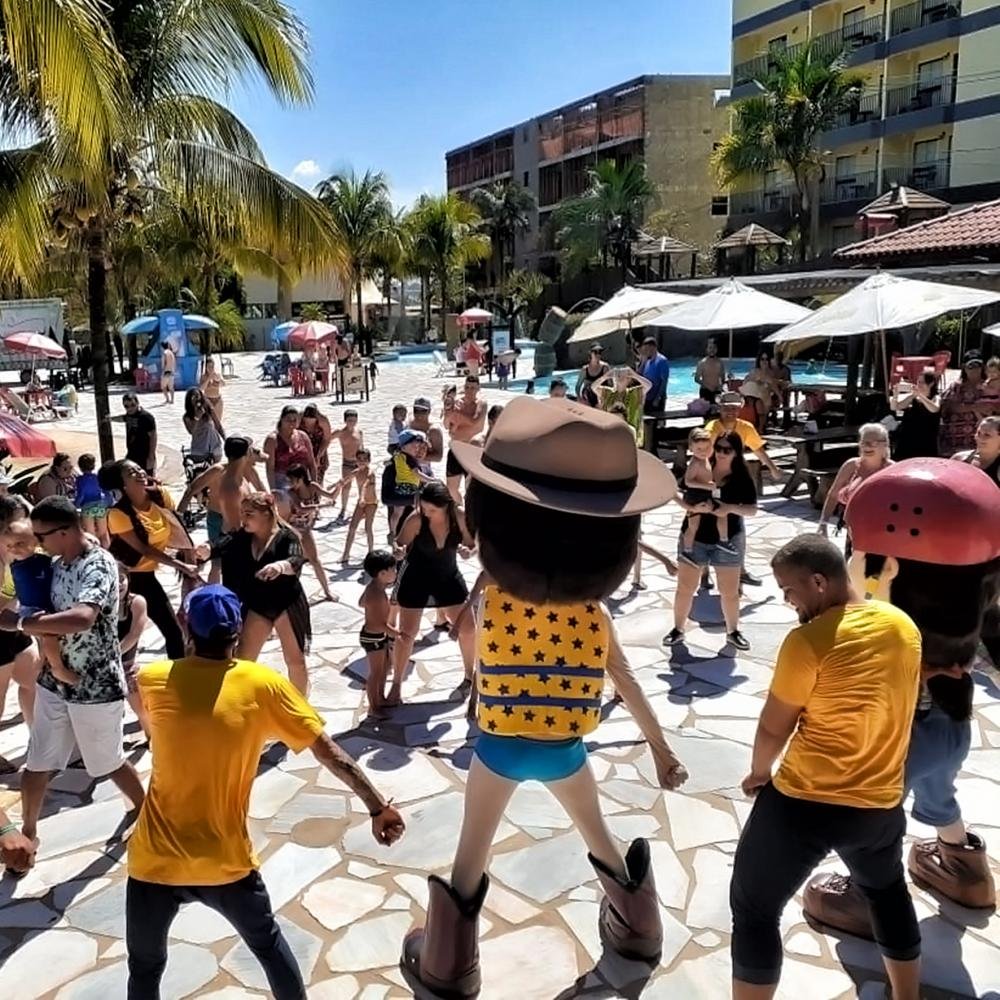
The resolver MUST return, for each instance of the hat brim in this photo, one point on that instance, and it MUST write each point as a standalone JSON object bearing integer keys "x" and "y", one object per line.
{"x": 655, "y": 485}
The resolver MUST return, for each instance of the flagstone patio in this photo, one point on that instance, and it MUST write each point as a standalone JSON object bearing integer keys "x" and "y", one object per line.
{"x": 345, "y": 902}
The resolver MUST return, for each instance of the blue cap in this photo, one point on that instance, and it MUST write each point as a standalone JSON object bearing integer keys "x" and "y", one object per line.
{"x": 213, "y": 612}
{"x": 409, "y": 436}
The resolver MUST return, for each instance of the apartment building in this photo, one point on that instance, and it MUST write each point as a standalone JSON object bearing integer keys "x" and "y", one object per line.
{"x": 669, "y": 122}
{"x": 929, "y": 117}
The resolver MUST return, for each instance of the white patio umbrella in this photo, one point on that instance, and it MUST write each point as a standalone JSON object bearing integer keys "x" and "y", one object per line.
{"x": 732, "y": 306}
{"x": 628, "y": 307}
{"x": 883, "y": 302}
{"x": 993, "y": 330}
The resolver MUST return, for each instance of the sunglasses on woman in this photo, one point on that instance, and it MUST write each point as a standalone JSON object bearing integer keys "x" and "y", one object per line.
{"x": 722, "y": 449}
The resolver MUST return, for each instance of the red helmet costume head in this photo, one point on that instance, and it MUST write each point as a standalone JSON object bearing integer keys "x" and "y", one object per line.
{"x": 940, "y": 520}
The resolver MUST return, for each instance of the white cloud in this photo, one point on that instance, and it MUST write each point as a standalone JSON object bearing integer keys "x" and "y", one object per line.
{"x": 306, "y": 170}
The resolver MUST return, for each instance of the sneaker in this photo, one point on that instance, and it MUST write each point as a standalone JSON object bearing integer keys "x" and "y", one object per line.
{"x": 738, "y": 639}
{"x": 727, "y": 547}
{"x": 749, "y": 579}
{"x": 674, "y": 636}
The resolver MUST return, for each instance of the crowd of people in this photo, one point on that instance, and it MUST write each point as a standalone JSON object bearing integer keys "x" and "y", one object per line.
{"x": 81, "y": 578}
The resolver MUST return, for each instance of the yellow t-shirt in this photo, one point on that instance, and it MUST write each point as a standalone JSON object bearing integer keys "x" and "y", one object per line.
{"x": 158, "y": 528}
{"x": 748, "y": 433}
{"x": 209, "y": 721}
{"x": 856, "y": 671}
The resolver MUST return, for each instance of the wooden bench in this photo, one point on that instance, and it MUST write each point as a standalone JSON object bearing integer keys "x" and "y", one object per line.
{"x": 819, "y": 482}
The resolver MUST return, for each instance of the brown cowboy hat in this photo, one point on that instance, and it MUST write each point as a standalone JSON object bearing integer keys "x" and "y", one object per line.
{"x": 560, "y": 454}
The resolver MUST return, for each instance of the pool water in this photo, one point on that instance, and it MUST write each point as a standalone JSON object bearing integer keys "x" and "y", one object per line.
{"x": 682, "y": 371}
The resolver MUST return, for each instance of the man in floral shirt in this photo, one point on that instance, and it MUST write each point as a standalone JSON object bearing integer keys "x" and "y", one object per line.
{"x": 89, "y": 713}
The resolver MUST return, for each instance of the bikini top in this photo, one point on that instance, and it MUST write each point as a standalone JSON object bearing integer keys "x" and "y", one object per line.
{"x": 297, "y": 453}
{"x": 541, "y": 667}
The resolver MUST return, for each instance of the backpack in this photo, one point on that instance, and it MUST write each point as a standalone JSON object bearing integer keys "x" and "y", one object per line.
{"x": 387, "y": 489}
{"x": 121, "y": 549}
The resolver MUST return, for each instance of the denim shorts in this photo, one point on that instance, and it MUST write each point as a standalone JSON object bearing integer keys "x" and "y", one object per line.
{"x": 518, "y": 758}
{"x": 938, "y": 748}
{"x": 711, "y": 555}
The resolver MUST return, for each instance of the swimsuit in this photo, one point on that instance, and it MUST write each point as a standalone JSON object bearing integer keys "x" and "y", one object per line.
{"x": 372, "y": 642}
{"x": 286, "y": 455}
{"x": 215, "y": 525}
{"x": 315, "y": 435}
{"x": 430, "y": 576}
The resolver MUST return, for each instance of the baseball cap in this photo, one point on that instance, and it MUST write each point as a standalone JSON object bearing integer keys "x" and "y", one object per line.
{"x": 422, "y": 403}
{"x": 597, "y": 348}
{"x": 213, "y": 612}
{"x": 408, "y": 437}
{"x": 972, "y": 358}
{"x": 731, "y": 399}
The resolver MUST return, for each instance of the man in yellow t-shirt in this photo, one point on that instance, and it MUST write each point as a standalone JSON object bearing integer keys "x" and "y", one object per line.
{"x": 842, "y": 697}
{"x": 210, "y": 716}
{"x": 729, "y": 420}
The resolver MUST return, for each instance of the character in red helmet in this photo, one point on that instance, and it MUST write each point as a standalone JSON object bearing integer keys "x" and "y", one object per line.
{"x": 932, "y": 523}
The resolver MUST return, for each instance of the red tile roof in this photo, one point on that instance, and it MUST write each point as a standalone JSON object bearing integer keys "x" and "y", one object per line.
{"x": 965, "y": 229}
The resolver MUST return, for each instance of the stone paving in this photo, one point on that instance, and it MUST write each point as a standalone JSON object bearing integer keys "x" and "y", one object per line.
{"x": 346, "y": 903}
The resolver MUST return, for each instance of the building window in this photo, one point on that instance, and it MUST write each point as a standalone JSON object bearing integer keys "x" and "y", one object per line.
{"x": 853, "y": 17}
{"x": 720, "y": 204}
{"x": 525, "y": 179}
{"x": 524, "y": 133}
{"x": 845, "y": 167}
{"x": 843, "y": 235}
{"x": 925, "y": 152}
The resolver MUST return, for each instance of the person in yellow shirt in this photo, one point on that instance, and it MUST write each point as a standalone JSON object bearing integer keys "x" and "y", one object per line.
{"x": 143, "y": 526}
{"x": 191, "y": 840}
{"x": 842, "y": 698}
{"x": 730, "y": 404}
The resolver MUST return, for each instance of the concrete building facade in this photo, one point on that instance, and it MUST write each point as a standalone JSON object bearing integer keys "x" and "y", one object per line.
{"x": 929, "y": 117}
{"x": 670, "y": 122}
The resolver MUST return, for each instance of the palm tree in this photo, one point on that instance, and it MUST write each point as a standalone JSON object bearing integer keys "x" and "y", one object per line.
{"x": 153, "y": 70}
{"x": 361, "y": 214}
{"x": 521, "y": 290}
{"x": 507, "y": 209}
{"x": 390, "y": 260}
{"x": 604, "y": 221}
{"x": 802, "y": 98}
{"x": 446, "y": 237}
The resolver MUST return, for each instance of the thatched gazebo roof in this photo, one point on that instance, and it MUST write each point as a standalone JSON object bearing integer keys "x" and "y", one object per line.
{"x": 656, "y": 246}
{"x": 752, "y": 235}
{"x": 900, "y": 198}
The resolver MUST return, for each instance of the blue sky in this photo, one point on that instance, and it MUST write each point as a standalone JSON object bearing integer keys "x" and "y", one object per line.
{"x": 399, "y": 82}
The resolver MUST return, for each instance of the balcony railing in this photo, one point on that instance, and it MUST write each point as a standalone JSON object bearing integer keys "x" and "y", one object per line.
{"x": 916, "y": 15}
{"x": 481, "y": 168}
{"x": 760, "y": 202}
{"x": 850, "y": 36}
{"x": 930, "y": 176}
{"x": 761, "y": 67}
{"x": 858, "y": 187}
{"x": 920, "y": 95}
{"x": 868, "y": 109}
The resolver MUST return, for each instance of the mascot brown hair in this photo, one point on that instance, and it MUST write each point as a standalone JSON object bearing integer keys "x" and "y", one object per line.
{"x": 554, "y": 504}
{"x": 935, "y": 522}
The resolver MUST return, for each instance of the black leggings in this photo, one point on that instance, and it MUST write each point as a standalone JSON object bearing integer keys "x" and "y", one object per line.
{"x": 150, "y": 910}
{"x": 784, "y": 840}
{"x": 160, "y": 611}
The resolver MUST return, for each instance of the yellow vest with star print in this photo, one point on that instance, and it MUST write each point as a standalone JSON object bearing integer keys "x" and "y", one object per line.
{"x": 541, "y": 667}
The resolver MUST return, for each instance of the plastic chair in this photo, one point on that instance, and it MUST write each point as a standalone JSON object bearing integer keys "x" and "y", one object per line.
{"x": 141, "y": 379}
{"x": 297, "y": 378}
{"x": 941, "y": 361}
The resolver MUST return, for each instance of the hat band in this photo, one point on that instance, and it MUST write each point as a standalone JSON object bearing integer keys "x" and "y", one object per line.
{"x": 529, "y": 477}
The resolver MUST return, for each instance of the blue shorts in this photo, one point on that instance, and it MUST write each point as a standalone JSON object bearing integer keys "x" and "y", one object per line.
{"x": 711, "y": 555}
{"x": 938, "y": 748}
{"x": 518, "y": 758}
{"x": 215, "y": 525}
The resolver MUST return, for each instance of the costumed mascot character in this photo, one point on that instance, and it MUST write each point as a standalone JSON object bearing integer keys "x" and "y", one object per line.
{"x": 936, "y": 522}
{"x": 554, "y": 503}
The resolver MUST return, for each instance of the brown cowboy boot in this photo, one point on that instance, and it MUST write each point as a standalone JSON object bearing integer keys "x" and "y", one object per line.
{"x": 959, "y": 872}
{"x": 443, "y": 955}
{"x": 834, "y": 901}
{"x": 630, "y": 911}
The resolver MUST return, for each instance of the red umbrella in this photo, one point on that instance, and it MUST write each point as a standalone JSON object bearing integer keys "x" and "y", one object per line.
{"x": 24, "y": 441}
{"x": 34, "y": 343}
{"x": 313, "y": 332}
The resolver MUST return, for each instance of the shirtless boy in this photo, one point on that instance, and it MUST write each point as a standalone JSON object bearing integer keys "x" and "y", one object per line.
{"x": 421, "y": 421}
{"x": 367, "y": 506}
{"x": 710, "y": 373}
{"x": 376, "y": 633}
{"x": 350, "y": 439}
{"x": 224, "y": 486}
{"x": 463, "y": 423}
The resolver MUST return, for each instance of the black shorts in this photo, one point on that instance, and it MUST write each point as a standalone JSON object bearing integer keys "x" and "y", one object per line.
{"x": 710, "y": 394}
{"x": 452, "y": 466}
{"x": 417, "y": 588}
{"x": 11, "y": 645}
{"x": 372, "y": 642}
{"x": 695, "y": 495}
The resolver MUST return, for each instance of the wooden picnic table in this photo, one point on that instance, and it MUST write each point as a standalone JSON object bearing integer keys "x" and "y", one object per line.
{"x": 678, "y": 417}
{"x": 803, "y": 444}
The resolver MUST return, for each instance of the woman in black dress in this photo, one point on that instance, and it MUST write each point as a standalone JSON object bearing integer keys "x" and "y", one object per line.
{"x": 917, "y": 434}
{"x": 261, "y": 564}
{"x": 431, "y": 538}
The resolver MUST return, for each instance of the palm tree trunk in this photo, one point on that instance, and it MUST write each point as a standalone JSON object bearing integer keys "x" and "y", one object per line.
{"x": 813, "y": 189}
{"x": 357, "y": 293}
{"x": 284, "y": 299}
{"x": 443, "y": 279}
{"x": 97, "y": 290}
